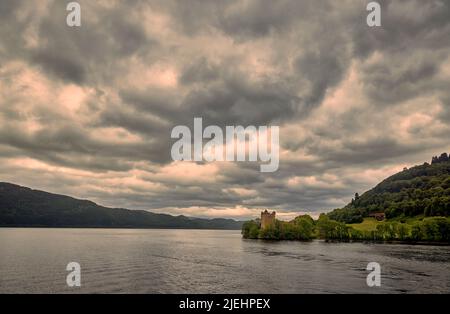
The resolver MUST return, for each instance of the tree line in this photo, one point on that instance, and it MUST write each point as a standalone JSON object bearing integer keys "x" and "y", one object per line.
{"x": 304, "y": 228}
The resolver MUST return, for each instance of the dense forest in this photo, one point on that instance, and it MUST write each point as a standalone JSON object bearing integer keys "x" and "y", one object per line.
{"x": 301, "y": 228}
{"x": 304, "y": 228}
{"x": 24, "y": 207}
{"x": 420, "y": 190}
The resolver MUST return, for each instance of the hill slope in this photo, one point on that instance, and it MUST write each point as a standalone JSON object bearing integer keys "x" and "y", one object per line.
{"x": 24, "y": 207}
{"x": 420, "y": 190}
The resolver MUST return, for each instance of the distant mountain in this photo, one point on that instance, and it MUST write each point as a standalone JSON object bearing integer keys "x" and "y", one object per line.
{"x": 420, "y": 190}
{"x": 24, "y": 207}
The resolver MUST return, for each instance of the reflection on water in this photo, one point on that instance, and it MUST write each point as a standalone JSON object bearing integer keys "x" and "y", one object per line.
{"x": 207, "y": 261}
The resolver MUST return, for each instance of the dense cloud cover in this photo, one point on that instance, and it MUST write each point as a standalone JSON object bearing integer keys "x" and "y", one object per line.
{"x": 88, "y": 111}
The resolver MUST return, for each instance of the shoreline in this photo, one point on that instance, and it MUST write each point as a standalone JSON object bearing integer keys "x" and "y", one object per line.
{"x": 112, "y": 227}
{"x": 393, "y": 242}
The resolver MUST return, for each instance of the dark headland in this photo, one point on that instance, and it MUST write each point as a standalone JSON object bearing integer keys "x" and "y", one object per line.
{"x": 24, "y": 207}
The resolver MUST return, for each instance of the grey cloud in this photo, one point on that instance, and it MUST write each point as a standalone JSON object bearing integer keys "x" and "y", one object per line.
{"x": 80, "y": 54}
{"x": 309, "y": 48}
{"x": 64, "y": 67}
{"x": 199, "y": 71}
{"x": 323, "y": 70}
{"x": 445, "y": 115}
{"x": 398, "y": 78}
{"x": 410, "y": 43}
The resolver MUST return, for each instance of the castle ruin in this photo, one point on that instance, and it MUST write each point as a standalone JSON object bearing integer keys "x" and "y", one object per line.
{"x": 267, "y": 219}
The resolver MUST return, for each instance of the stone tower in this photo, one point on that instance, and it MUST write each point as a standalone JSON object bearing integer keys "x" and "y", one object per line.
{"x": 267, "y": 219}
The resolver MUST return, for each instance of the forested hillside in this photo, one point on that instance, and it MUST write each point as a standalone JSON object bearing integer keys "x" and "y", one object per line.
{"x": 420, "y": 190}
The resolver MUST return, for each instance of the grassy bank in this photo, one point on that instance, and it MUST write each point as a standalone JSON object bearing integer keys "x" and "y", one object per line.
{"x": 368, "y": 224}
{"x": 371, "y": 224}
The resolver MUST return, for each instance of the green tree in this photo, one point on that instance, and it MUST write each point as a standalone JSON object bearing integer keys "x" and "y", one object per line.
{"x": 250, "y": 230}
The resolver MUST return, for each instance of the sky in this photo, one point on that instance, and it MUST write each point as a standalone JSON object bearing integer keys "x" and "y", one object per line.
{"x": 88, "y": 111}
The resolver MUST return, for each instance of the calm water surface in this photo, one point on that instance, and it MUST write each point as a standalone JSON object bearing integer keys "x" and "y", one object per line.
{"x": 205, "y": 261}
